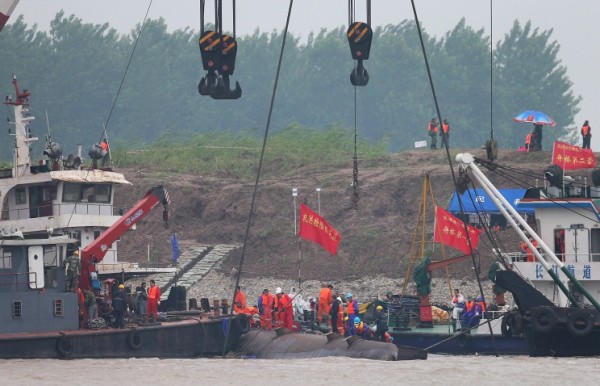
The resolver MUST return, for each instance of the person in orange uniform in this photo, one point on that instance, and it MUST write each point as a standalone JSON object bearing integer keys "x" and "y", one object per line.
{"x": 445, "y": 133}
{"x": 525, "y": 249}
{"x": 325, "y": 300}
{"x": 239, "y": 301}
{"x": 432, "y": 131}
{"x": 153, "y": 299}
{"x": 284, "y": 309}
{"x": 267, "y": 306}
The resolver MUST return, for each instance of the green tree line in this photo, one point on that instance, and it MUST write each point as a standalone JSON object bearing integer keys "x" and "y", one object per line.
{"x": 75, "y": 72}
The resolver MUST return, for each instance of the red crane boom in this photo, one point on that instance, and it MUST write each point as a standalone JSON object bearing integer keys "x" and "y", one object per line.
{"x": 95, "y": 251}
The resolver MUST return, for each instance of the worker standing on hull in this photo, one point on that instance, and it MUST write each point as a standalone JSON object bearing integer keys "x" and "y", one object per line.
{"x": 325, "y": 300}
{"x": 153, "y": 299}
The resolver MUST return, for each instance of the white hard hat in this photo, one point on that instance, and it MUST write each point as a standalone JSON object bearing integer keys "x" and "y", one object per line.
{"x": 278, "y": 290}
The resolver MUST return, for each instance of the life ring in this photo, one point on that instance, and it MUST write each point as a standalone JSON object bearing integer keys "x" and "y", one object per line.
{"x": 543, "y": 319}
{"x": 463, "y": 340}
{"x": 134, "y": 340}
{"x": 64, "y": 347}
{"x": 243, "y": 323}
{"x": 580, "y": 323}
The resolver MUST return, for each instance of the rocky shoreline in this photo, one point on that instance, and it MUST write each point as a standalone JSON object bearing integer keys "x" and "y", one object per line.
{"x": 219, "y": 285}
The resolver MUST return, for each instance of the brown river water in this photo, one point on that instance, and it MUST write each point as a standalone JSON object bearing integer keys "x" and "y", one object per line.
{"x": 436, "y": 370}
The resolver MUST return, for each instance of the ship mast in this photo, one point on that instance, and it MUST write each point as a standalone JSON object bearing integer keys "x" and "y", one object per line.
{"x": 23, "y": 138}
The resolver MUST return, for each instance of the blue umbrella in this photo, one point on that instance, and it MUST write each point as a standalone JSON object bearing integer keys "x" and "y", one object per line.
{"x": 533, "y": 116}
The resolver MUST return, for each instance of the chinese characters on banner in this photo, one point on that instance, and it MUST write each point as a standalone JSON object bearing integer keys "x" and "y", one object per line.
{"x": 450, "y": 231}
{"x": 570, "y": 157}
{"x": 316, "y": 229}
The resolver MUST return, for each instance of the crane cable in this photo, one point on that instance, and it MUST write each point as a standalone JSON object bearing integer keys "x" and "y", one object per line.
{"x": 103, "y": 135}
{"x": 260, "y": 164}
{"x": 462, "y": 208}
{"x": 355, "y": 194}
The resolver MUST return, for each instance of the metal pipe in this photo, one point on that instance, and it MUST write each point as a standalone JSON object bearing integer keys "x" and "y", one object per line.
{"x": 468, "y": 160}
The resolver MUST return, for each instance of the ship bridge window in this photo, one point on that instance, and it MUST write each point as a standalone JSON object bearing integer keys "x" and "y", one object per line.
{"x": 20, "y": 196}
{"x": 51, "y": 256}
{"x": 71, "y": 193}
{"x": 5, "y": 259}
{"x": 102, "y": 193}
{"x": 86, "y": 193}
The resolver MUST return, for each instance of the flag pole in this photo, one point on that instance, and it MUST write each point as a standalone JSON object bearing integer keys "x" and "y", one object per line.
{"x": 299, "y": 263}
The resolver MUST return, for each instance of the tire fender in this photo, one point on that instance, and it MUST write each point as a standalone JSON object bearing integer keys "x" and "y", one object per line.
{"x": 243, "y": 323}
{"x": 543, "y": 319}
{"x": 580, "y": 323}
{"x": 134, "y": 340}
{"x": 463, "y": 340}
{"x": 64, "y": 347}
{"x": 516, "y": 323}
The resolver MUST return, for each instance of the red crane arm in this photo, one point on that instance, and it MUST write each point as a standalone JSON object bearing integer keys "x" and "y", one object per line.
{"x": 96, "y": 250}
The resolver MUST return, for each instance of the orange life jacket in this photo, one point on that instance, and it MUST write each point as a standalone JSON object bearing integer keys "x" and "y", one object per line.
{"x": 351, "y": 310}
{"x": 585, "y": 130}
{"x": 239, "y": 303}
{"x": 325, "y": 296}
{"x": 267, "y": 301}
{"x": 432, "y": 128}
{"x": 446, "y": 128}
{"x": 469, "y": 305}
{"x": 154, "y": 293}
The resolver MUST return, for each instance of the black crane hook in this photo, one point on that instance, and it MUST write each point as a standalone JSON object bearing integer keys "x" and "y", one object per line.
{"x": 359, "y": 36}
{"x": 218, "y": 53}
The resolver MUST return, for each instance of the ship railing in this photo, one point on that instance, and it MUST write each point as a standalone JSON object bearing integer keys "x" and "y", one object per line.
{"x": 14, "y": 278}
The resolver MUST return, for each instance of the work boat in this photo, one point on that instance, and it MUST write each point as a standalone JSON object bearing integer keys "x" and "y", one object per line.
{"x": 557, "y": 294}
{"x": 50, "y": 209}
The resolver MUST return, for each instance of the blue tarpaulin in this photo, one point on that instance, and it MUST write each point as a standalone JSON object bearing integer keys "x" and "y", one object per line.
{"x": 483, "y": 203}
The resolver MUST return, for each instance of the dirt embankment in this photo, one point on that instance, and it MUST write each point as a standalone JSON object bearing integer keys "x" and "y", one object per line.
{"x": 377, "y": 235}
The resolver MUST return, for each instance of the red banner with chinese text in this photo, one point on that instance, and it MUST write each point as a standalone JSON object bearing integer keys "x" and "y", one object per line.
{"x": 450, "y": 231}
{"x": 316, "y": 229}
{"x": 570, "y": 157}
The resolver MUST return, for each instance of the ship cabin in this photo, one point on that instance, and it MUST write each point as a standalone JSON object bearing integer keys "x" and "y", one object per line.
{"x": 32, "y": 286}
{"x": 568, "y": 221}
{"x": 76, "y": 203}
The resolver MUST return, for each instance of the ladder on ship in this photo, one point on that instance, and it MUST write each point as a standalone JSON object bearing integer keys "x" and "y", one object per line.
{"x": 420, "y": 244}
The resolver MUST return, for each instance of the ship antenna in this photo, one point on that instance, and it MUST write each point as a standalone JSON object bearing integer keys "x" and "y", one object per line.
{"x": 48, "y": 137}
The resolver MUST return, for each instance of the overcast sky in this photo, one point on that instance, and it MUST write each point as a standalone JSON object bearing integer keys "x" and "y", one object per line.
{"x": 574, "y": 23}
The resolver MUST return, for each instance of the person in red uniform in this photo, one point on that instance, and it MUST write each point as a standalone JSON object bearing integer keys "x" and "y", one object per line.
{"x": 267, "y": 306}
{"x": 239, "y": 301}
{"x": 105, "y": 151}
{"x": 284, "y": 309}
{"x": 153, "y": 299}
{"x": 325, "y": 300}
{"x": 586, "y": 135}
